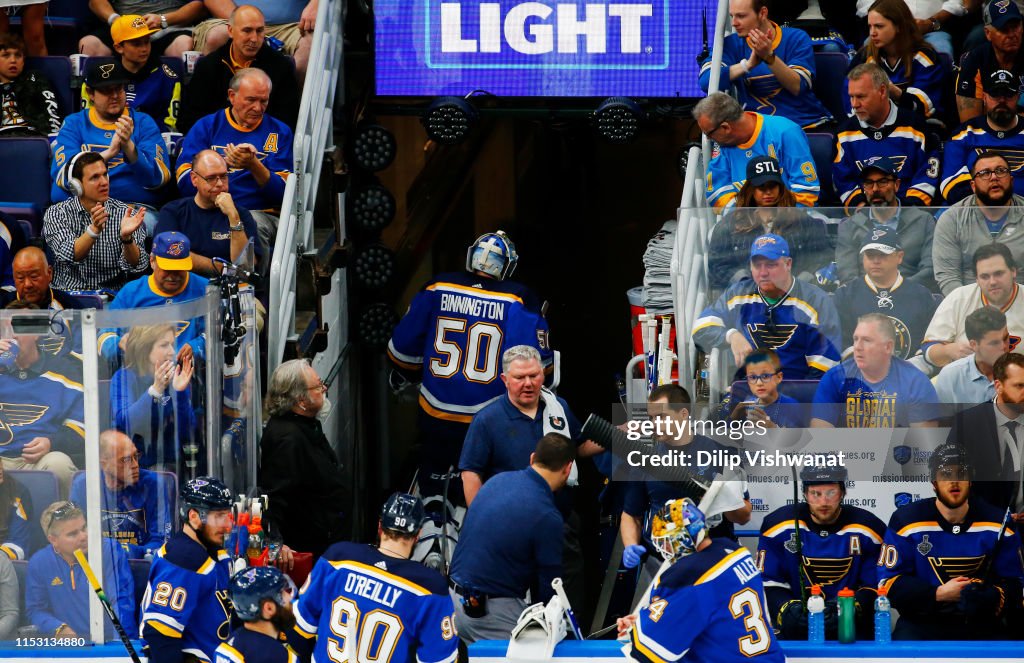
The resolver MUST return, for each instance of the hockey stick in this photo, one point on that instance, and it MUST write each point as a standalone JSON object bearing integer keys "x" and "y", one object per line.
{"x": 106, "y": 606}
{"x": 990, "y": 562}
{"x": 444, "y": 519}
{"x": 599, "y": 633}
{"x": 556, "y": 585}
{"x": 799, "y": 543}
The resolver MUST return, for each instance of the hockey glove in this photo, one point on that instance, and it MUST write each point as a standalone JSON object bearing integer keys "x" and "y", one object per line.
{"x": 632, "y": 555}
{"x": 793, "y": 620}
{"x": 980, "y": 600}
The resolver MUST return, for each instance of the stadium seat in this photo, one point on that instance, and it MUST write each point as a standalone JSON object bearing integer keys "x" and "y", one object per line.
{"x": 57, "y": 70}
{"x": 41, "y": 486}
{"x": 21, "y": 570}
{"x": 89, "y": 299}
{"x": 26, "y": 175}
{"x": 822, "y": 145}
{"x": 829, "y": 78}
{"x": 140, "y": 576}
{"x": 27, "y": 216}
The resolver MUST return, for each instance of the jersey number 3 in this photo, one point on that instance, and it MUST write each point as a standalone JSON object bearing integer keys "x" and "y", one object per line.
{"x": 747, "y": 604}
{"x": 475, "y": 352}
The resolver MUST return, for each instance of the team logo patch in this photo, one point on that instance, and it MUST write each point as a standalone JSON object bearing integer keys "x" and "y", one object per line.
{"x": 947, "y": 568}
{"x": 17, "y": 414}
{"x": 901, "y": 454}
{"x": 897, "y": 161}
{"x": 925, "y": 546}
{"x": 139, "y": 23}
{"x": 176, "y": 249}
{"x": 771, "y": 337}
{"x": 791, "y": 545}
{"x": 168, "y": 72}
{"x": 827, "y": 570}
{"x": 557, "y": 423}
{"x": 902, "y": 499}
{"x": 106, "y": 70}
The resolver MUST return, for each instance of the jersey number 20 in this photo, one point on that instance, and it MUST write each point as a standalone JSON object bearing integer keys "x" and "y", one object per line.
{"x": 478, "y": 361}
{"x": 360, "y": 632}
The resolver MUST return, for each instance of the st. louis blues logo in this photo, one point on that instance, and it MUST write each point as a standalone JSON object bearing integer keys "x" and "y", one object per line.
{"x": 902, "y": 499}
{"x": 17, "y": 414}
{"x": 773, "y": 337}
{"x": 901, "y": 454}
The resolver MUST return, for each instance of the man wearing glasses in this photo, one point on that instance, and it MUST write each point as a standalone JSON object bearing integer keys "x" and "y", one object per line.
{"x": 838, "y": 548}
{"x": 136, "y": 505}
{"x": 999, "y": 128}
{"x": 216, "y": 227}
{"x": 992, "y": 214}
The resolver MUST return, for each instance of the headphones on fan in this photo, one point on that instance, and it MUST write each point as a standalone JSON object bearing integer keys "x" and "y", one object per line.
{"x": 72, "y": 183}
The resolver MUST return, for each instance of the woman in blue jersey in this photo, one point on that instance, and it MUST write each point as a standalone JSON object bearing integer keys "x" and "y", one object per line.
{"x": 150, "y": 399}
{"x": 764, "y": 205}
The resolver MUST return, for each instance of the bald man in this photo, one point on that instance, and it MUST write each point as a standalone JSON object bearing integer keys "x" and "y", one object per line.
{"x": 214, "y": 224}
{"x": 289, "y": 21}
{"x": 32, "y": 276}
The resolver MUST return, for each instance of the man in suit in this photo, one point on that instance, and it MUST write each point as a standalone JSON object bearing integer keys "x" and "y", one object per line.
{"x": 993, "y": 432}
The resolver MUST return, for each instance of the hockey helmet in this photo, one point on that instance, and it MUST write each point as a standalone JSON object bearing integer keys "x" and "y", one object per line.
{"x": 678, "y": 528}
{"x": 945, "y": 458}
{"x": 250, "y": 587}
{"x": 493, "y": 254}
{"x": 816, "y": 476}
{"x": 403, "y": 513}
{"x": 204, "y": 494}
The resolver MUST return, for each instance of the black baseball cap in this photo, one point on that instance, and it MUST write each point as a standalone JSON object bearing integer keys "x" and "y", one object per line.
{"x": 1001, "y": 82}
{"x": 883, "y": 240}
{"x": 105, "y": 72}
{"x": 884, "y": 165}
{"x": 762, "y": 170}
{"x": 998, "y": 13}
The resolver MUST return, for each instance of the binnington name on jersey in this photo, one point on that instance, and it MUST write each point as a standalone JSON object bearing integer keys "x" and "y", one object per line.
{"x": 472, "y": 306}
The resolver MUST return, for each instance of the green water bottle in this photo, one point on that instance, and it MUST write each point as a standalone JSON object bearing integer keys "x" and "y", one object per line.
{"x": 847, "y": 611}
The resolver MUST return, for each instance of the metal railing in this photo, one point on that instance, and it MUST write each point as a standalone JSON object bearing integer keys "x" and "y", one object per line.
{"x": 313, "y": 134}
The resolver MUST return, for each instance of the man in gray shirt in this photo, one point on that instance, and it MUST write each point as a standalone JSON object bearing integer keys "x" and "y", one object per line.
{"x": 992, "y": 214}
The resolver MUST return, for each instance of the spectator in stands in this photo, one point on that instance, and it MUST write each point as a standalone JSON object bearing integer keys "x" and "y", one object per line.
{"x": 722, "y": 119}
{"x": 289, "y": 22}
{"x": 995, "y": 285}
{"x": 771, "y": 67}
{"x": 97, "y": 241}
{"x": 883, "y": 289}
{"x": 258, "y": 151}
{"x": 794, "y": 318}
{"x": 150, "y": 399}
{"x": 999, "y": 129}
{"x": 28, "y": 104}
{"x": 931, "y": 17}
{"x": 16, "y": 528}
{"x": 916, "y": 75}
{"x": 969, "y": 379}
{"x": 10, "y": 599}
{"x": 247, "y": 49}
{"x": 763, "y": 373}
{"x": 42, "y": 417}
{"x": 216, "y": 227}
{"x": 171, "y": 17}
{"x": 765, "y": 205}
{"x": 874, "y": 388}
{"x": 992, "y": 214}
{"x": 32, "y": 278}
{"x": 32, "y": 18}
{"x": 297, "y": 460}
{"x": 880, "y": 128}
{"x": 915, "y": 227}
{"x": 171, "y": 282}
{"x": 1003, "y": 31}
{"x": 152, "y": 86}
{"x": 56, "y": 589}
{"x": 136, "y": 508}
{"x": 129, "y": 141}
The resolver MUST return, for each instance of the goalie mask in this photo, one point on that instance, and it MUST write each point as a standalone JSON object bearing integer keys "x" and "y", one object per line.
{"x": 493, "y": 254}
{"x": 678, "y": 528}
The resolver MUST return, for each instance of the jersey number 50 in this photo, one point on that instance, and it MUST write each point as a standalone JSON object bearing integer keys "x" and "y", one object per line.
{"x": 478, "y": 362}
{"x": 360, "y": 632}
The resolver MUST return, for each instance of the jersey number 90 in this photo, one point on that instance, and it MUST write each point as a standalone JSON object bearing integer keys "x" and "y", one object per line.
{"x": 376, "y": 628}
{"x": 475, "y": 352}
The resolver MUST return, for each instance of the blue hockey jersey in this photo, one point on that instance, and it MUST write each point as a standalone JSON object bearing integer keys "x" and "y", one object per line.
{"x": 398, "y": 610}
{"x": 904, "y": 139}
{"x": 186, "y": 608}
{"x": 962, "y": 150}
{"x": 273, "y": 142}
{"x": 760, "y": 91}
{"x": 138, "y": 516}
{"x": 16, "y": 542}
{"x": 708, "y": 606}
{"x": 841, "y": 554}
{"x": 155, "y": 90}
{"x": 456, "y": 330}
{"x": 803, "y": 327}
{"x": 846, "y": 399}
{"x": 924, "y": 85}
{"x": 909, "y": 305}
{"x": 129, "y": 182}
{"x": 775, "y": 137}
{"x": 48, "y": 405}
{"x": 247, "y": 646}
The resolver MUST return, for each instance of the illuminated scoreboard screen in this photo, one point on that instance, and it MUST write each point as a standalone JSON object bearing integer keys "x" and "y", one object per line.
{"x": 549, "y": 48}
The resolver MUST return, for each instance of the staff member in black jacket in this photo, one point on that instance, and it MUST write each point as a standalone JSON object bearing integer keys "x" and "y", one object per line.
{"x": 297, "y": 462}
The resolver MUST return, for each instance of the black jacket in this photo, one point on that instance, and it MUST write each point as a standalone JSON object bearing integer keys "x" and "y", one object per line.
{"x": 207, "y": 92}
{"x": 975, "y": 428}
{"x": 36, "y": 102}
{"x": 302, "y": 478}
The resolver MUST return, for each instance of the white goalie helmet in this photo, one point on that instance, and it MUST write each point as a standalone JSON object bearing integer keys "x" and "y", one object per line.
{"x": 493, "y": 254}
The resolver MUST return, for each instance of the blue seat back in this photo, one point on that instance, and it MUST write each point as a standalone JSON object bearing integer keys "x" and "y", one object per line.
{"x": 829, "y": 79}
{"x": 26, "y": 175}
{"x": 822, "y": 145}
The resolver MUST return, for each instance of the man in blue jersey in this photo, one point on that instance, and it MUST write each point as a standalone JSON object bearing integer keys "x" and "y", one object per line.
{"x": 998, "y": 128}
{"x": 777, "y": 311}
{"x": 377, "y": 599}
{"x": 837, "y": 547}
{"x": 257, "y": 147}
{"x": 771, "y": 67}
{"x": 707, "y": 603}
{"x": 136, "y": 505}
{"x": 878, "y": 129}
{"x": 186, "y": 612}
{"x": 262, "y": 598}
{"x": 455, "y": 332}
{"x": 739, "y": 136}
{"x": 874, "y": 389}
{"x": 945, "y": 572}
{"x": 128, "y": 140}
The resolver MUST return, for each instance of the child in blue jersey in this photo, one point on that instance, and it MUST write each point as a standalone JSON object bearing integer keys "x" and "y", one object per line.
{"x": 763, "y": 371}
{"x": 378, "y": 601}
{"x": 262, "y": 599}
{"x": 706, "y": 603}
{"x": 186, "y": 611}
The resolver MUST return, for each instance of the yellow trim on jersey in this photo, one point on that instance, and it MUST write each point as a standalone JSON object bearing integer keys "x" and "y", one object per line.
{"x": 444, "y": 285}
{"x": 374, "y": 571}
{"x": 963, "y": 177}
{"x": 67, "y": 382}
{"x": 758, "y": 125}
{"x": 808, "y": 199}
{"x": 924, "y": 59}
{"x": 206, "y": 567}
{"x": 861, "y": 529}
{"x": 441, "y": 414}
{"x": 725, "y": 199}
{"x": 925, "y": 526}
{"x": 644, "y": 649}
{"x": 163, "y": 628}
{"x": 237, "y": 126}
{"x": 182, "y": 169}
{"x": 404, "y": 364}
{"x": 986, "y": 526}
{"x": 226, "y": 650}
{"x": 920, "y": 195}
{"x": 304, "y": 633}
{"x": 782, "y": 527}
{"x": 76, "y": 426}
{"x": 727, "y": 561}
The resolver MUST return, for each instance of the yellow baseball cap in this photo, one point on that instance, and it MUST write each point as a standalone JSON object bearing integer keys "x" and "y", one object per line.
{"x": 129, "y": 26}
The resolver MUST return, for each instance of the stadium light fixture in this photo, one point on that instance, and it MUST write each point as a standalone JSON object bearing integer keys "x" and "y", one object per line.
{"x": 375, "y": 324}
{"x": 373, "y": 147}
{"x": 618, "y": 119}
{"x": 449, "y": 120}
{"x": 371, "y": 207}
{"x": 374, "y": 266}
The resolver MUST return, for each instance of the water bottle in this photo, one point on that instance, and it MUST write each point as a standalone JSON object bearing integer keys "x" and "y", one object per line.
{"x": 883, "y": 617}
{"x": 847, "y": 612}
{"x": 816, "y": 616}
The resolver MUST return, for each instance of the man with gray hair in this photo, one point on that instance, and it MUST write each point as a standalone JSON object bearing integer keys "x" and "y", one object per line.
{"x": 740, "y": 136}
{"x": 297, "y": 460}
{"x": 879, "y": 128}
{"x": 256, "y": 146}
